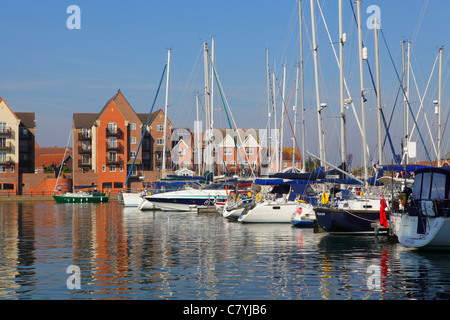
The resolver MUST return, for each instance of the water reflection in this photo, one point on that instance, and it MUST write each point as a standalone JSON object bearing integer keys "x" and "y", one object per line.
{"x": 128, "y": 254}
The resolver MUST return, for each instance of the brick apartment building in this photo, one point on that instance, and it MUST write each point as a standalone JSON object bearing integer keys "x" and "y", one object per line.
{"x": 17, "y": 141}
{"x": 106, "y": 143}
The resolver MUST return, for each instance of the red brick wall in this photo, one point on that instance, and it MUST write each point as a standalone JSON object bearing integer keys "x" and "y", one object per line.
{"x": 111, "y": 114}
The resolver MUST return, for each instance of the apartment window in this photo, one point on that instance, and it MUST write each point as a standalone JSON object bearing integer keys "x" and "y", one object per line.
{"x": 2, "y": 142}
{"x": 107, "y": 185}
{"x": 159, "y": 128}
{"x": 103, "y": 168}
{"x": 145, "y": 155}
{"x": 121, "y": 168}
{"x": 118, "y": 185}
{"x": 249, "y": 151}
{"x": 132, "y": 154}
{"x": 23, "y": 145}
{"x": 132, "y": 126}
{"x": 132, "y": 140}
{"x": 181, "y": 152}
{"x": 85, "y": 132}
{"x": 233, "y": 163}
{"x": 112, "y": 168}
{"x": 8, "y": 186}
{"x": 86, "y": 145}
{"x": 3, "y": 127}
{"x": 112, "y": 156}
{"x": 228, "y": 151}
{"x": 11, "y": 169}
{"x": 134, "y": 171}
{"x": 85, "y": 159}
{"x": 24, "y": 132}
{"x": 2, "y": 169}
{"x": 112, "y": 127}
{"x": 2, "y": 156}
{"x": 160, "y": 142}
{"x": 112, "y": 142}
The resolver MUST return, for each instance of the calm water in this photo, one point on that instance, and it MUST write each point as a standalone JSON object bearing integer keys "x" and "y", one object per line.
{"x": 127, "y": 254}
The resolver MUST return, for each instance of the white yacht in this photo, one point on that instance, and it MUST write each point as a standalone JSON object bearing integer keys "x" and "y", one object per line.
{"x": 426, "y": 221}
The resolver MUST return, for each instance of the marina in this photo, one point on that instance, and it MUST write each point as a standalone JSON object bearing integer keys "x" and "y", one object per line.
{"x": 124, "y": 253}
{"x": 198, "y": 183}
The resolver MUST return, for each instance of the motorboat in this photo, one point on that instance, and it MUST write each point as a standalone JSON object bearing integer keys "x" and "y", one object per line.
{"x": 280, "y": 207}
{"x": 425, "y": 222}
{"x": 189, "y": 198}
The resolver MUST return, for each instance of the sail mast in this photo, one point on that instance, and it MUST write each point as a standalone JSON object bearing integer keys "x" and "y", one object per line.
{"x": 377, "y": 67}
{"x": 163, "y": 171}
{"x": 363, "y": 99}
{"x": 439, "y": 138}
{"x": 316, "y": 73}
{"x": 300, "y": 14}
{"x": 341, "y": 84}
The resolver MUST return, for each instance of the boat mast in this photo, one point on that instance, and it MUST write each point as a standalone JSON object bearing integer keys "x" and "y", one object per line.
{"x": 363, "y": 99}
{"x": 283, "y": 101}
{"x": 207, "y": 106}
{"x": 212, "y": 85}
{"x": 316, "y": 73}
{"x": 439, "y": 138}
{"x": 377, "y": 67}
{"x": 268, "y": 104}
{"x": 295, "y": 117}
{"x": 199, "y": 147}
{"x": 300, "y": 14}
{"x": 341, "y": 84}
{"x": 163, "y": 171}
{"x": 275, "y": 123}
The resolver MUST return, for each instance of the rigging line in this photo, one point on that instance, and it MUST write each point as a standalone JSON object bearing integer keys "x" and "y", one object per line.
{"x": 146, "y": 124}
{"x": 424, "y": 94}
{"x": 407, "y": 100}
{"x": 228, "y": 118}
{"x": 295, "y": 139}
{"x": 371, "y": 77}
{"x": 419, "y": 23}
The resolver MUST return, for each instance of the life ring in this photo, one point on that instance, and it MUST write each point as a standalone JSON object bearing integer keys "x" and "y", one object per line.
{"x": 258, "y": 197}
{"x": 325, "y": 198}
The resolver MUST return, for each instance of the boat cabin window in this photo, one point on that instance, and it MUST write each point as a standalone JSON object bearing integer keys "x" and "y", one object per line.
{"x": 438, "y": 186}
{"x": 417, "y": 186}
{"x": 429, "y": 185}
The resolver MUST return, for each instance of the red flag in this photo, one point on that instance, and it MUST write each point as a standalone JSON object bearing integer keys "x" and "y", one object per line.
{"x": 383, "y": 206}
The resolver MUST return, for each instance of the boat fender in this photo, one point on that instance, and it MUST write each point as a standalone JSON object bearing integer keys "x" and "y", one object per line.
{"x": 301, "y": 201}
{"x": 258, "y": 197}
{"x": 325, "y": 198}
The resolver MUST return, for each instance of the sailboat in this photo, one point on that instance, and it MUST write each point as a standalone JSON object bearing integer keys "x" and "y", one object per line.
{"x": 426, "y": 222}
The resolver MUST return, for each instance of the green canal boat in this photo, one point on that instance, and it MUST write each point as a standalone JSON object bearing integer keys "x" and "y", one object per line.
{"x": 81, "y": 197}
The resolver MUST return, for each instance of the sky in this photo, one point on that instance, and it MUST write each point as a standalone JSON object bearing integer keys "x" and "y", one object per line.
{"x": 55, "y": 71}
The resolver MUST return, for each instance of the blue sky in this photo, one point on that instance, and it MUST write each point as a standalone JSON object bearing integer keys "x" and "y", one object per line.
{"x": 54, "y": 71}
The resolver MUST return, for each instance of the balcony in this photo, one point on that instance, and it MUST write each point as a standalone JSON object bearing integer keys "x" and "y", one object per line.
{"x": 6, "y": 161}
{"x": 114, "y": 133}
{"x": 5, "y": 132}
{"x": 84, "y": 150}
{"x": 84, "y": 136}
{"x": 6, "y": 146}
{"x": 114, "y": 161}
{"x": 118, "y": 147}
